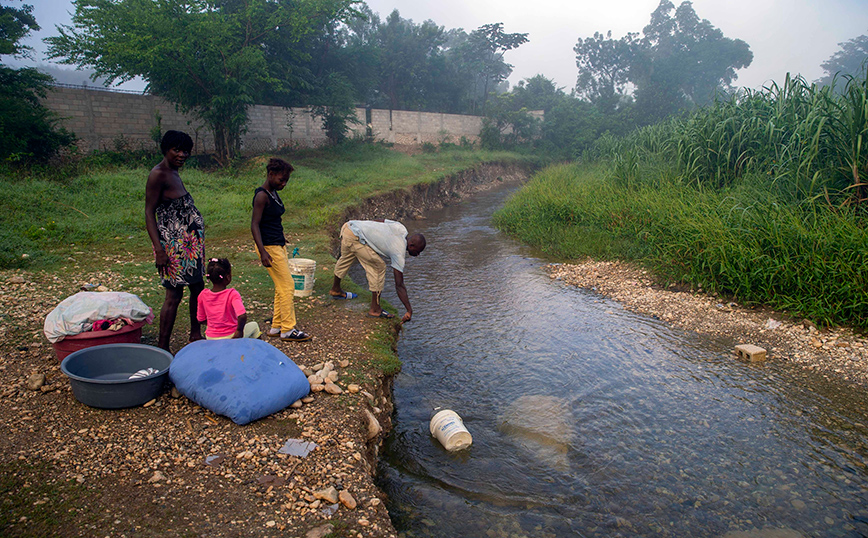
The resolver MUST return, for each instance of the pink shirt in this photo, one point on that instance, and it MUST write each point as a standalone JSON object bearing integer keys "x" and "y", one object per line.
{"x": 220, "y": 311}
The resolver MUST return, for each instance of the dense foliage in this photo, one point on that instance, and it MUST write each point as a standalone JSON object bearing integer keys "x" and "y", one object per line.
{"x": 29, "y": 132}
{"x": 761, "y": 196}
{"x": 398, "y": 64}
{"x": 680, "y": 62}
{"x": 209, "y": 57}
{"x": 216, "y": 58}
{"x": 807, "y": 141}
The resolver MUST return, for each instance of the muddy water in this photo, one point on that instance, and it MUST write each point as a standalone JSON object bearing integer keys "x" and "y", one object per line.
{"x": 588, "y": 420}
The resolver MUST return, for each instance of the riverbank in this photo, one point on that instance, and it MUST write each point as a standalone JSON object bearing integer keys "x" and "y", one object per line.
{"x": 837, "y": 353}
{"x": 173, "y": 468}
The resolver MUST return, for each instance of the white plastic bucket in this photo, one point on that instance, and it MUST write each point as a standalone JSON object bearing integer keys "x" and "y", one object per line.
{"x": 302, "y": 271}
{"x": 449, "y": 429}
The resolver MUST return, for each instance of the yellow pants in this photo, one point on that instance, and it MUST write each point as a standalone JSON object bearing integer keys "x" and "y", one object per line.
{"x": 351, "y": 250}
{"x": 251, "y": 330}
{"x": 284, "y": 289}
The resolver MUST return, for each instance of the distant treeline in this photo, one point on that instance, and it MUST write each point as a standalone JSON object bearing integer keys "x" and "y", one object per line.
{"x": 215, "y": 58}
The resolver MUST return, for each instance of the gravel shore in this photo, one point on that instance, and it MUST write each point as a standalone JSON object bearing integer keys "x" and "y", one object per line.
{"x": 837, "y": 353}
{"x": 172, "y": 468}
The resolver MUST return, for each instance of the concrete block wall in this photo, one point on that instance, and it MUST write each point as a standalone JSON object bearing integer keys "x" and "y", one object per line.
{"x": 105, "y": 120}
{"x": 414, "y": 128}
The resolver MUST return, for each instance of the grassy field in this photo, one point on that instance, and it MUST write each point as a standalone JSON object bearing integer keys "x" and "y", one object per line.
{"x": 93, "y": 223}
{"x": 44, "y": 221}
{"x": 741, "y": 241}
{"x": 761, "y": 197}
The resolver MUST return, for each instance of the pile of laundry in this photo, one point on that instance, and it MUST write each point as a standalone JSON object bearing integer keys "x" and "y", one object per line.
{"x": 95, "y": 311}
{"x": 111, "y": 324}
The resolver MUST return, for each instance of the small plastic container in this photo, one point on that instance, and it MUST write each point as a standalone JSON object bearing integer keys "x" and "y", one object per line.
{"x": 448, "y": 428}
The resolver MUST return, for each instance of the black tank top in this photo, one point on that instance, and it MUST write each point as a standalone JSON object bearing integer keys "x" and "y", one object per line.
{"x": 270, "y": 227}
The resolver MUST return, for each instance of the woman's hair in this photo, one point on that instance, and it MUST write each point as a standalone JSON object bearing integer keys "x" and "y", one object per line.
{"x": 219, "y": 270}
{"x": 176, "y": 140}
{"x": 279, "y": 166}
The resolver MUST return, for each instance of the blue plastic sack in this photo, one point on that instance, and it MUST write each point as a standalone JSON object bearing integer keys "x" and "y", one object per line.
{"x": 243, "y": 379}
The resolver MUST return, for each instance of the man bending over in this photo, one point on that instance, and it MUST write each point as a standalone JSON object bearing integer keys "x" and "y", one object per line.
{"x": 368, "y": 240}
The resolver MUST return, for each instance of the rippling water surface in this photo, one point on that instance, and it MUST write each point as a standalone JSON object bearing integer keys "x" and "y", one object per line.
{"x": 588, "y": 420}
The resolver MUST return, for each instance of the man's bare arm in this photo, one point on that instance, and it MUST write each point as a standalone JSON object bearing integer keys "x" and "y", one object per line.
{"x": 401, "y": 290}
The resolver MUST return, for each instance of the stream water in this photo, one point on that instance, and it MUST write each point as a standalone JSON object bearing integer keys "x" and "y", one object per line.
{"x": 589, "y": 420}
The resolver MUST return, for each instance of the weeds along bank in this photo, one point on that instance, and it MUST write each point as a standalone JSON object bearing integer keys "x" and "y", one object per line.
{"x": 759, "y": 197}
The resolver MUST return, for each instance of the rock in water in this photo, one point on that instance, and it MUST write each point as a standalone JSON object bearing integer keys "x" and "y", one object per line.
{"x": 543, "y": 425}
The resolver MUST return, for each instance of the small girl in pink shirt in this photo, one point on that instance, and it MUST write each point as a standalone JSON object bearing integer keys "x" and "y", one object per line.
{"x": 221, "y": 307}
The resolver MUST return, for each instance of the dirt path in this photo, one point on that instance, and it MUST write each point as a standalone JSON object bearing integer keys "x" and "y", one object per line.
{"x": 72, "y": 470}
{"x": 838, "y": 354}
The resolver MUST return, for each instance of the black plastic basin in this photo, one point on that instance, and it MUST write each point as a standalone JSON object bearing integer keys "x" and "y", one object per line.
{"x": 100, "y": 375}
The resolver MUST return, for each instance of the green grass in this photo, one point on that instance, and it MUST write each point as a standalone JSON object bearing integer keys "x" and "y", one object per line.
{"x": 760, "y": 197}
{"x": 45, "y": 222}
{"x": 32, "y": 504}
{"x": 381, "y": 349}
{"x": 743, "y": 241}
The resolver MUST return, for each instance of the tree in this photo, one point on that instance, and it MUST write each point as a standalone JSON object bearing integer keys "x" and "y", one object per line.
{"x": 405, "y": 51}
{"x": 683, "y": 61}
{"x": 537, "y": 93}
{"x": 849, "y": 61}
{"x": 680, "y": 62}
{"x": 604, "y": 68}
{"x": 355, "y": 53}
{"x": 206, "y": 56}
{"x": 569, "y": 127}
{"x": 507, "y": 124}
{"x": 484, "y": 50}
{"x": 28, "y": 130}
{"x": 335, "y": 106}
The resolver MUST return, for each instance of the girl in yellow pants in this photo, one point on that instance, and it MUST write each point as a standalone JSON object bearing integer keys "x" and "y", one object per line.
{"x": 267, "y": 230}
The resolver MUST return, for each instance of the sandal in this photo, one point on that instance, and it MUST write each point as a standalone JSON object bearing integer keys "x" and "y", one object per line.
{"x": 346, "y": 295}
{"x": 383, "y": 314}
{"x": 295, "y": 336}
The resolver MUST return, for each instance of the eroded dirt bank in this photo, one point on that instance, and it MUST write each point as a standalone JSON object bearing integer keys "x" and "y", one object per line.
{"x": 173, "y": 468}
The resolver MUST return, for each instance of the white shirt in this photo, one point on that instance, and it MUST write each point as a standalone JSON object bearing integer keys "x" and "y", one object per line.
{"x": 388, "y": 239}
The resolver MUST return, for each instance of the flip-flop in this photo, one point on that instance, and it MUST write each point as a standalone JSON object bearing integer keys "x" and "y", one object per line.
{"x": 383, "y": 314}
{"x": 346, "y": 295}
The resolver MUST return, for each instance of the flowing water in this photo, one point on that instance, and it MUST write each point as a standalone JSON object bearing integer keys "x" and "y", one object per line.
{"x": 589, "y": 420}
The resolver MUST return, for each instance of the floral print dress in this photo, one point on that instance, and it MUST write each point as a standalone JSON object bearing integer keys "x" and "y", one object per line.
{"x": 182, "y": 234}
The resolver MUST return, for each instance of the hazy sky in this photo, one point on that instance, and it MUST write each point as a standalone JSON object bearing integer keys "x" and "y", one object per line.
{"x": 785, "y": 35}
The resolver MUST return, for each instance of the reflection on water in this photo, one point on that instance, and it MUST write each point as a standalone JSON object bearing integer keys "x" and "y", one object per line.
{"x": 588, "y": 420}
{"x": 541, "y": 425}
